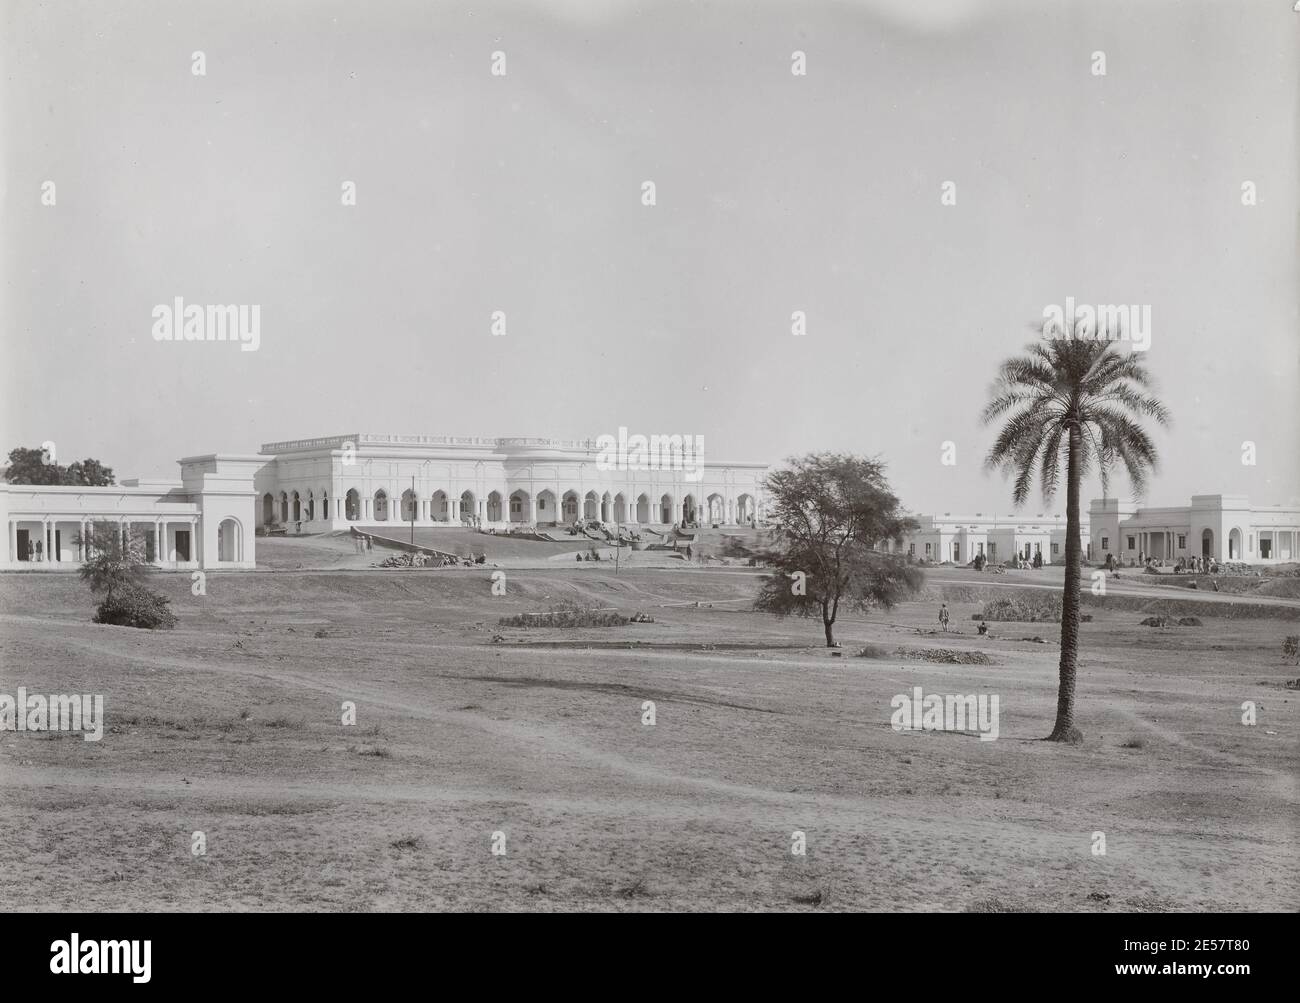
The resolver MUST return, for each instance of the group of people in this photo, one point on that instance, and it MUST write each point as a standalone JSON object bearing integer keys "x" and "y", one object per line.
{"x": 35, "y": 550}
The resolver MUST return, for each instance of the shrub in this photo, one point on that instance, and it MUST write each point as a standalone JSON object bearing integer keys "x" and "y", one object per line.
{"x": 1291, "y": 646}
{"x": 132, "y": 605}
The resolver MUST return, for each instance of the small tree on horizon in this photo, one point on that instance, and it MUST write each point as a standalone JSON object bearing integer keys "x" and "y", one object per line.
{"x": 831, "y": 510}
{"x": 1072, "y": 398}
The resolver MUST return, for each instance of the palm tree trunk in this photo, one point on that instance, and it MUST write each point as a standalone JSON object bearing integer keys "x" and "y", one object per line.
{"x": 1065, "y": 731}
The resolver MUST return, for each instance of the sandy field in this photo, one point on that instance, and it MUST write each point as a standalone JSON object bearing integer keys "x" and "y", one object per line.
{"x": 230, "y": 725}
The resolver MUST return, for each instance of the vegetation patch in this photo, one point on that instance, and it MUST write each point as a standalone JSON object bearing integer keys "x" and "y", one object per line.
{"x": 567, "y": 613}
{"x": 944, "y": 656}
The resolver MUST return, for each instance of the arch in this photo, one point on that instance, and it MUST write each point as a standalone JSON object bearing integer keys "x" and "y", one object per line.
{"x": 590, "y": 506}
{"x": 745, "y": 508}
{"x": 547, "y": 513}
{"x": 324, "y": 503}
{"x": 666, "y": 509}
{"x": 295, "y": 505}
{"x": 690, "y": 509}
{"x": 311, "y": 505}
{"x": 1235, "y": 539}
{"x": 381, "y": 506}
{"x": 352, "y": 505}
{"x": 409, "y": 505}
{"x": 230, "y": 541}
{"x": 284, "y": 506}
{"x": 643, "y": 508}
{"x": 494, "y": 506}
{"x": 569, "y": 513}
{"x": 268, "y": 509}
{"x": 439, "y": 509}
{"x": 468, "y": 508}
{"x": 620, "y": 508}
{"x": 717, "y": 508}
{"x": 519, "y": 506}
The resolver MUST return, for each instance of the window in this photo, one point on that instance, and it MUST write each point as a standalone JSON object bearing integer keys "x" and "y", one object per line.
{"x": 1132, "y": 543}
{"x": 1105, "y": 543}
{"x": 1265, "y": 547}
{"x": 515, "y": 505}
{"x": 1056, "y": 549}
{"x": 927, "y": 550}
{"x": 541, "y": 504}
{"x": 911, "y": 549}
{"x": 981, "y": 548}
{"x": 1182, "y": 542}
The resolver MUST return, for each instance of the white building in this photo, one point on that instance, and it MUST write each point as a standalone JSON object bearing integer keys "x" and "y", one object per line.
{"x": 209, "y": 517}
{"x": 961, "y": 538}
{"x": 1222, "y": 527}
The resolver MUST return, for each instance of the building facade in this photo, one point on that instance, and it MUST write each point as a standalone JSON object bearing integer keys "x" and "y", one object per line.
{"x": 1219, "y": 527}
{"x": 210, "y": 516}
{"x": 961, "y": 538}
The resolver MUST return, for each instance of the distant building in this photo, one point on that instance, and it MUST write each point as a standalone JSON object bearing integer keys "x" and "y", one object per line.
{"x": 961, "y": 538}
{"x": 209, "y": 518}
{"x": 1219, "y": 527}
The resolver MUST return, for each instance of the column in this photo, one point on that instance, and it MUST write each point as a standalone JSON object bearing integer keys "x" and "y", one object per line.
{"x": 157, "y": 543}
{"x": 13, "y": 540}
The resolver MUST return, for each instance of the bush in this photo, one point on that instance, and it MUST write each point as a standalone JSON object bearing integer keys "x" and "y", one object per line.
{"x": 134, "y": 605}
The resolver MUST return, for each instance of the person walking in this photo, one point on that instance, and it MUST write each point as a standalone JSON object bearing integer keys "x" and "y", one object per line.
{"x": 943, "y": 615}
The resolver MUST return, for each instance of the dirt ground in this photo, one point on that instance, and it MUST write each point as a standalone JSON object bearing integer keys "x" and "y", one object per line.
{"x": 230, "y": 725}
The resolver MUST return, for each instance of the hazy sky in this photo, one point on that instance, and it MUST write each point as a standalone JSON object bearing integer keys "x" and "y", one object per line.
{"x": 522, "y": 193}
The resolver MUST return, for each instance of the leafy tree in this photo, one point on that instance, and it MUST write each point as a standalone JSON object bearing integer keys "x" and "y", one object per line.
{"x": 115, "y": 557}
{"x": 28, "y": 466}
{"x": 1074, "y": 398}
{"x": 89, "y": 472}
{"x": 831, "y": 510}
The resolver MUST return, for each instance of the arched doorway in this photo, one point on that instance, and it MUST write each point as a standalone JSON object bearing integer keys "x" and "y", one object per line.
{"x": 296, "y": 505}
{"x": 409, "y": 505}
{"x": 744, "y": 509}
{"x": 569, "y": 513}
{"x": 352, "y": 505}
{"x": 643, "y": 509}
{"x": 590, "y": 506}
{"x": 268, "y": 509}
{"x": 284, "y": 507}
{"x": 229, "y": 544}
{"x": 547, "y": 512}
{"x": 1207, "y": 543}
{"x": 717, "y": 509}
{"x": 381, "y": 505}
{"x": 519, "y": 506}
{"x": 666, "y": 509}
{"x": 620, "y": 508}
{"x": 1234, "y": 544}
{"x": 439, "y": 510}
{"x": 467, "y": 507}
{"x": 494, "y": 507}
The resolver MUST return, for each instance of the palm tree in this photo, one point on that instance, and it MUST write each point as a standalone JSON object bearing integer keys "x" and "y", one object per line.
{"x": 1079, "y": 397}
